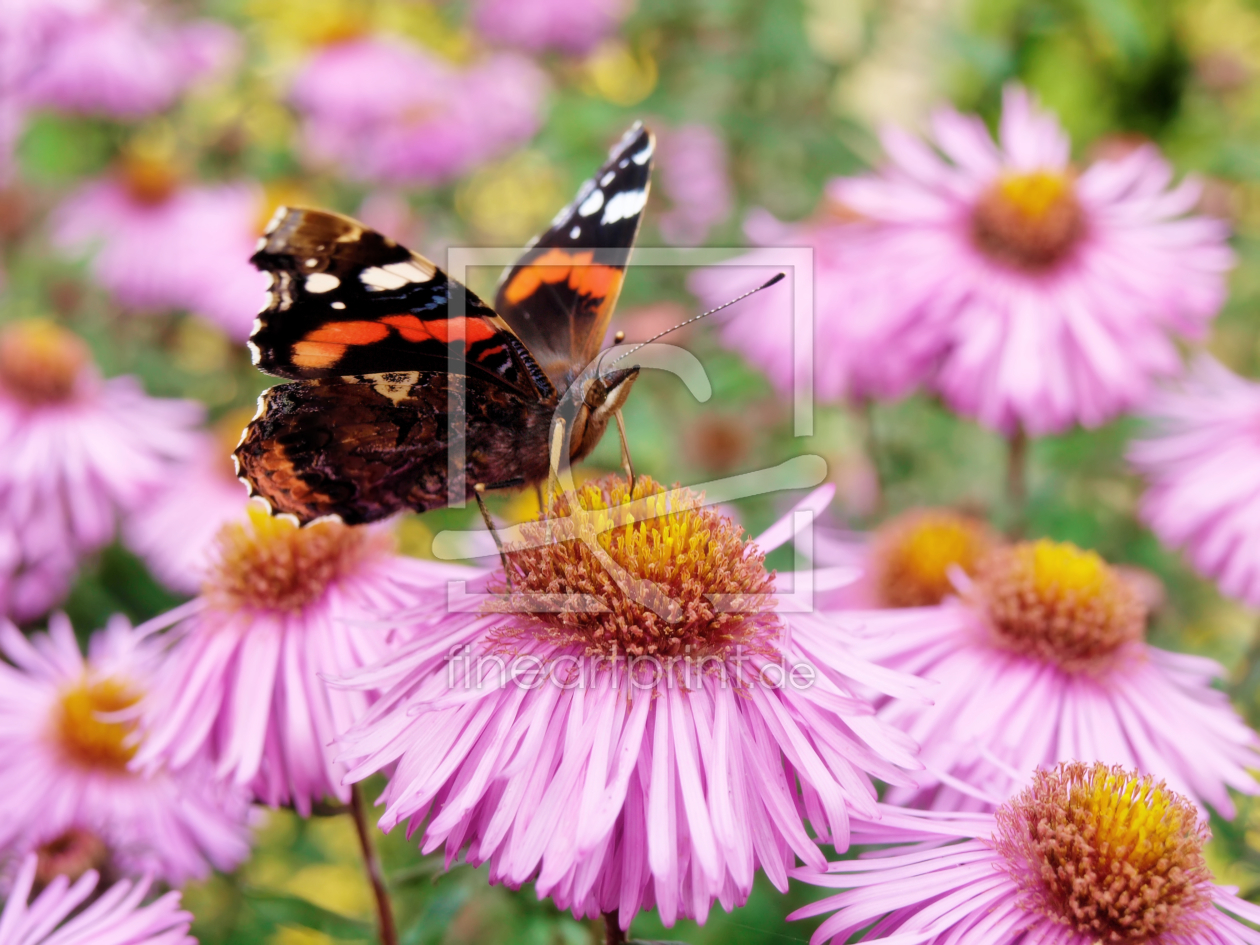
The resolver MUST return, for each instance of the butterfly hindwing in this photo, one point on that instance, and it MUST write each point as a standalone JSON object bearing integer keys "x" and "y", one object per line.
{"x": 347, "y": 300}
{"x": 560, "y": 294}
{"x": 365, "y": 447}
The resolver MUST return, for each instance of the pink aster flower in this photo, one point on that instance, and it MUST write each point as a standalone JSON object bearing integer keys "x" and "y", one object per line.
{"x": 114, "y": 57}
{"x": 67, "y": 738}
{"x": 115, "y": 917}
{"x": 1048, "y": 639}
{"x": 627, "y": 745}
{"x": 907, "y": 561}
{"x": 691, "y": 162}
{"x": 857, "y": 346}
{"x": 386, "y": 110}
{"x": 161, "y": 245}
{"x": 1057, "y": 293}
{"x": 1201, "y": 461}
{"x": 282, "y": 610}
{"x": 174, "y": 532}
{"x": 1086, "y": 854}
{"x": 572, "y": 27}
{"x": 78, "y": 451}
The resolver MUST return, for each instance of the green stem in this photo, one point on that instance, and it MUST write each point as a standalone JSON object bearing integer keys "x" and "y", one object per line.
{"x": 1017, "y": 477}
{"x": 874, "y": 452}
{"x": 384, "y": 911}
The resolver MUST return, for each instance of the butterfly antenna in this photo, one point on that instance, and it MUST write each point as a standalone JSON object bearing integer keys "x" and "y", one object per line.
{"x": 777, "y": 277}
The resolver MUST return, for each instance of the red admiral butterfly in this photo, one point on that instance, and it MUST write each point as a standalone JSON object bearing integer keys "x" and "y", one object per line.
{"x": 365, "y": 327}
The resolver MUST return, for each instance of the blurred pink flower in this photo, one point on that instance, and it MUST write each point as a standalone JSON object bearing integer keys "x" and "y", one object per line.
{"x": 115, "y": 917}
{"x": 78, "y": 451}
{"x": 113, "y": 57}
{"x": 174, "y": 531}
{"x": 571, "y": 26}
{"x": 1049, "y": 639}
{"x": 1017, "y": 877}
{"x": 907, "y": 561}
{"x": 159, "y": 245}
{"x": 857, "y": 347}
{"x": 387, "y": 110}
{"x": 1055, "y": 293}
{"x": 65, "y": 733}
{"x": 691, "y": 171}
{"x": 283, "y": 609}
{"x": 1202, "y": 462}
{"x": 617, "y": 761}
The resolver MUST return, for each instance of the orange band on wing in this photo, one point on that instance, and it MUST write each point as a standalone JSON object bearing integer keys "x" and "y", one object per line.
{"x": 468, "y": 330}
{"x": 555, "y": 265}
{"x": 596, "y": 281}
{"x": 348, "y": 333}
{"x": 316, "y": 354}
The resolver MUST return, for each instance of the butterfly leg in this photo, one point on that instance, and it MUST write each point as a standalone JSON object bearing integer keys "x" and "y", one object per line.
{"x": 626, "y": 462}
{"x": 478, "y": 489}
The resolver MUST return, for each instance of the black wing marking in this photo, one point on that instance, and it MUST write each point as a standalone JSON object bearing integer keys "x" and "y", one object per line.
{"x": 559, "y": 296}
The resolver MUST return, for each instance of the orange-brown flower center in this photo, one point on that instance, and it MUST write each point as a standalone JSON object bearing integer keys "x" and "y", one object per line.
{"x": 148, "y": 181}
{"x": 70, "y": 854}
{"x": 269, "y": 563}
{"x": 87, "y": 739}
{"x": 912, "y": 555}
{"x": 1059, "y": 603}
{"x": 1029, "y": 221}
{"x": 653, "y": 574}
{"x": 1112, "y": 854}
{"x": 40, "y": 362}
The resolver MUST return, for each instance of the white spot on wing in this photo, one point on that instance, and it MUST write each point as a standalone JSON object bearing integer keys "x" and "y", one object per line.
{"x": 624, "y": 205}
{"x": 412, "y": 271}
{"x": 575, "y": 232}
{"x": 337, "y": 305}
{"x": 378, "y": 278}
{"x": 261, "y": 244}
{"x": 641, "y": 157}
{"x": 607, "y": 179}
{"x": 592, "y": 203}
{"x": 624, "y": 162}
{"x": 396, "y": 275}
{"x": 321, "y": 282}
{"x": 312, "y": 263}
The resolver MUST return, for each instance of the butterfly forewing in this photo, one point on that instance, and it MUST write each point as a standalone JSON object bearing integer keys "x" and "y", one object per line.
{"x": 347, "y": 300}
{"x": 559, "y": 296}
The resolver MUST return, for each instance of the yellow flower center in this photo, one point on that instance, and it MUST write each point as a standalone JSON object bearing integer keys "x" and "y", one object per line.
{"x": 269, "y": 563}
{"x": 70, "y": 854}
{"x": 89, "y": 740}
{"x": 149, "y": 181}
{"x": 1112, "y": 854}
{"x": 1058, "y": 603}
{"x": 40, "y": 362}
{"x": 912, "y": 555}
{"x": 653, "y": 574}
{"x": 1028, "y": 221}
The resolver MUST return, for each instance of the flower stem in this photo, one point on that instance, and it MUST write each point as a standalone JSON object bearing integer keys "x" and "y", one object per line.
{"x": 612, "y": 930}
{"x": 874, "y": 450}
{"x": 384, "y": 911}
{"x": 1017, "y": 476}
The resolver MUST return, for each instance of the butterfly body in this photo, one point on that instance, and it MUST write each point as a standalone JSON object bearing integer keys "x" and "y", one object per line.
{"x": 399, "y": 371}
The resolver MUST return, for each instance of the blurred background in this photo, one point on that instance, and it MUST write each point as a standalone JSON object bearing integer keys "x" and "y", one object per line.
{"x": 219, "y": 111}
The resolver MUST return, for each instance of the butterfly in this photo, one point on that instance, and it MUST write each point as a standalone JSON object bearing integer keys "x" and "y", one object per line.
{"x": 365, "y": 330}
